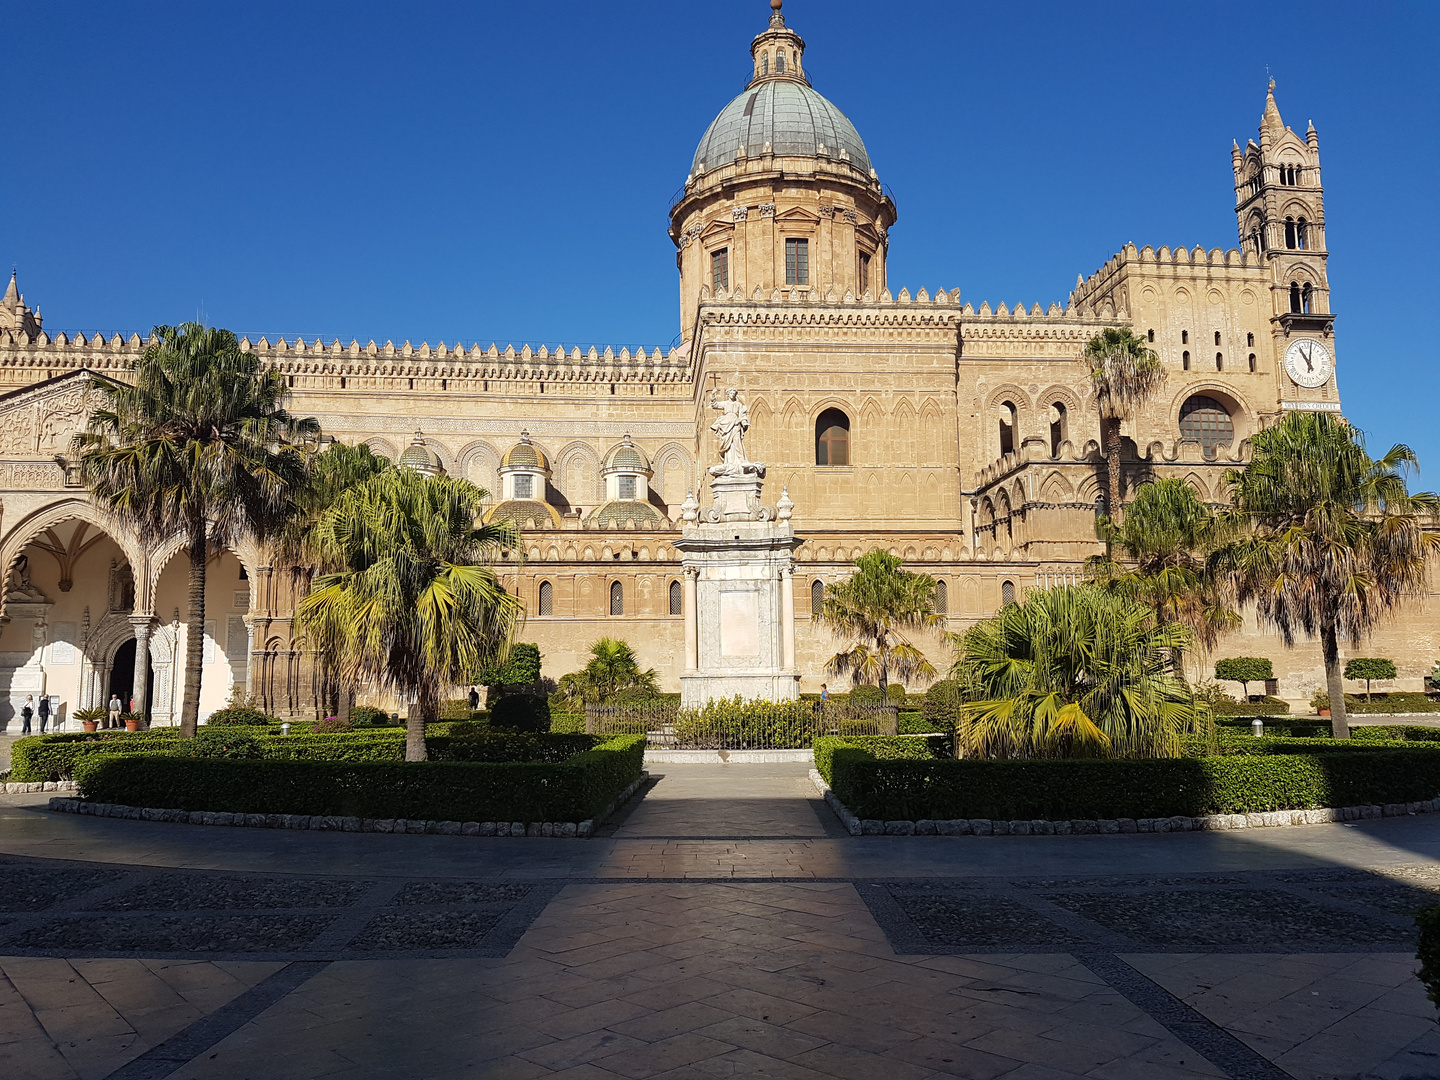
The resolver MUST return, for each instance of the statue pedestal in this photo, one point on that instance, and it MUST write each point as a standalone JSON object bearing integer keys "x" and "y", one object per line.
{"x": 739, "y": 564}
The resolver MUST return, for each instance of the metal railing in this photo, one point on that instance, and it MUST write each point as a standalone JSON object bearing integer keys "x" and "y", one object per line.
{"x": 791, "y": 727}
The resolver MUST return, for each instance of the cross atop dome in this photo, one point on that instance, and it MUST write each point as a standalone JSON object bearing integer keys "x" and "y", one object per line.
{"x": 778, "y": 52}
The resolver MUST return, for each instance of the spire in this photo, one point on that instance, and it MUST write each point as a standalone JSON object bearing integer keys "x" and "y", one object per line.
{"x": 1271, "y": 123}
{"x": 12, "y": 294}
{"x": 778, "y": 52}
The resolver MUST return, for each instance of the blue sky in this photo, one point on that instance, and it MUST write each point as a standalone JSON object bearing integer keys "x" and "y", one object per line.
{"x": 502, "y": 171}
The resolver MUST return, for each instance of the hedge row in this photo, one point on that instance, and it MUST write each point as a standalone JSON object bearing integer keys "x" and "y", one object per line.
{"x": 1067, "y": 789}
{"x": 887, "y": 747}
{"x": 1383, "y": 704}
{"x": 577, "y": 789}
{"x": 1268, "y": 706}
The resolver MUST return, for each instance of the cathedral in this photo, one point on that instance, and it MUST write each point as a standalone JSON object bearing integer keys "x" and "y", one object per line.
{"x": 963, "y": 439}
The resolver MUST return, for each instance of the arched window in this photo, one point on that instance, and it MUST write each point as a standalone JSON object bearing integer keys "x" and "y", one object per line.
{"x": 617, "y": 598}
{"x": 1206, "y": 420}
{"x": 1294, "y": 298}
{"x": 1306, "y": 295}
{"x": 1009, "y": 422}
{"x": 1302, "y": 233}
{"x": 1289, "y": 232}
{"x": 545, "y": 602}
{"x": 677, "y": 599}
{"x": 1252, "y": 361}
{"x": 942, "y": 598}
{"x": 1249, "y": 339}
{"x": 1217, "y": 337}
{"x": 1185, "y": 360}
{"x": 1219, "y": 361}
{"x": 764, "y": 63}
{"x": 1150, "y": 334}
{"x": 1184, "y": 337}
{"x": 1007, "y": 592}
{"x": 1059, "y": 427}
{"x": 832, "y": 438}
{"x": 780, "y": 62}
{"x": 817, "y": 595}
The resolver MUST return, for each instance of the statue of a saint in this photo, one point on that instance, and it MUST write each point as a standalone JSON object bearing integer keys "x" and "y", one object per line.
{"x": 730, "y": 427}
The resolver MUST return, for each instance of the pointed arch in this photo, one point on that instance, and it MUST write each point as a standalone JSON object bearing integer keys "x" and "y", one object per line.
{"x": 907, "y": 438}
{"x": 931, "y": 436}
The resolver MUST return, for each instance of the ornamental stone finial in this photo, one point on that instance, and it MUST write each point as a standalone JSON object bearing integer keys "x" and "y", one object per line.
{"x": 784, "y": 506}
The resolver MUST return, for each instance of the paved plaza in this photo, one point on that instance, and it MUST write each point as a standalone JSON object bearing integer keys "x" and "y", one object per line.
{"x": 722, "y": 925}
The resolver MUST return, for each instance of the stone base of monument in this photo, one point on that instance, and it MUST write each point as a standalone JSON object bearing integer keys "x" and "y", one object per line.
{"x": 739, "y": 564}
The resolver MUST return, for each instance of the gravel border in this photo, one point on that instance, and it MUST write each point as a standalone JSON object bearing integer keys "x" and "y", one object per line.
{"x": 1110, "y": 826}
{"x": 558, "y": 829}
{"x": 27, "y": 789}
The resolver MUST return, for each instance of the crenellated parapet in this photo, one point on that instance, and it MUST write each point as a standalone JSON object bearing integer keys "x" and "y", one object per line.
{"x": 1107, "y": 290}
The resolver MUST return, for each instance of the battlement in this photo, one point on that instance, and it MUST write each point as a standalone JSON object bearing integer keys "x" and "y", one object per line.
{"x": 806, "y": 295}
{"x": 1181, "y": 261}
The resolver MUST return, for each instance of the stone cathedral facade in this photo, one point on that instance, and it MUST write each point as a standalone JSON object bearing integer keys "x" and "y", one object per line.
{"x": 960, "y": 436}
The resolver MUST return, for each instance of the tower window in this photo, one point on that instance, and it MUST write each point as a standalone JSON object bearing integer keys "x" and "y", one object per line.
{"x": 1150, "y": 334}
{"x": 1306, "y": 295}
{"x": 720, "y": 269}
{"x": 1217, "y": 337}
{"x": 1294, "y": 298}
{"x": 1007, "y": 593}
{"x": 1249, "y": 339}
{"x": 1219, "y": 361}
{"x": 1252, "y": 361}
{"x": 797, "y": 262}
{"x": 1009, "y": 421}
{"x": 617, "y": 598}
{"x": 764, "y": 63}
{"x": 1289, "y": 232}
{"x": 942, "y": 598}
{"x": 1206, "y": 420}
{"x": 817, "y": 595}
{"x": 1184, "y": 337}
{"x": 832, "y": 438}
{"x": 546, "y": 601}
{"x": 1058, "y": 428}
{"x": 1185, "y": 360}
{"x": 864, "y": 274}
{"x": 779, "y": 61}
{"x": 677, "y": 599}
{"x": 1302, "y": 234}
{"x": 524, "y": 486}
{"x": 627, "y": 487}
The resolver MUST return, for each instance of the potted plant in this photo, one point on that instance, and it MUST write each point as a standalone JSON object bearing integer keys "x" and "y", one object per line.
{"x": 1321, "y": 703}
{"x": 90, "y": 718}
{"x": 133, "y": 721}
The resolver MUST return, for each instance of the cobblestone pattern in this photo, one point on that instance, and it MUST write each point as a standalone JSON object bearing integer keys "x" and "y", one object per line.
{"x": 1111, "y": 826}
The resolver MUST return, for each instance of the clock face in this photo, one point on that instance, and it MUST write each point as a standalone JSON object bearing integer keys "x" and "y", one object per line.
{"x": 1308, "y": 362}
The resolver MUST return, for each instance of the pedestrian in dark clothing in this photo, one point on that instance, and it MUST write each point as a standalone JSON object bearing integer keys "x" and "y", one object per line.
{"x": 26, "y": 712}
{"x": 474, "y": 699}
{"x": 44, "y": 712}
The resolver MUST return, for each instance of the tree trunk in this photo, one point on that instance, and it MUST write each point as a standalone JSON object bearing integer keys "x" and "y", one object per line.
{"x": 1112, "y": 466}
{"x": 1334, "y": 682}
{"x": 427, "y": 707}
{"x": 194, "y": 633}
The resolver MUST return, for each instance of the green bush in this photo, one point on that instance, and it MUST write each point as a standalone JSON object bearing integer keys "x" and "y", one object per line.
{"x": 331, "y": 725}
{"x": 1063, "y": 789}
{"x": 1404, "y": 733}
{"x": 1296, "y": 727}
{"x": 502, "y": 746}
{"x": 39, "y": 758}
{"x": 942, "y": 705}
{"x": 735, "y": 723}
{"x": 240, "y": 716}
{"x": 521, "y": 667}
{"x": 1369, "y": 668}
{"x": 880, "y": 747}
{"x": 369, "y": 716}
{"x": 521, "y": 712}
{"x": 895, "y": 694}
{"x": 455, "y": 709}
{"x": 914, "y": 723}
{"x": 573, "y": 790}
{"x": 867, "y": 695}
{"x": 566, "y": 723}
{"x": 1428, "y": 952}
{"x": 1266, "y": 706}
{"x": 1381, "y": 704}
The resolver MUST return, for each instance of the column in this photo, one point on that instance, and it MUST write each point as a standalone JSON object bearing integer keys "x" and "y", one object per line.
{"x": 249, "y": 657}
{"x": 787, "y": 617}
{"x": 692, "y": 626}
{"x": 142, "y": 625}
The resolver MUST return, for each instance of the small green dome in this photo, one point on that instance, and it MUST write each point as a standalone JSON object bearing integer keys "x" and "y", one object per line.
{"x": 420, "y": 457}
{"x": 626, "y": 514}
{"x": 525, "y": 514}
{"x": 524, "y": 455}
{"x": 626, "y": 457}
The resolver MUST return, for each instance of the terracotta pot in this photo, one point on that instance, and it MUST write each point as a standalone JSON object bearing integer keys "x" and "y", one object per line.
{"x": 132, "y": 725}
{"x": 89, "y": 725}
{"x": 1324, "y": 714}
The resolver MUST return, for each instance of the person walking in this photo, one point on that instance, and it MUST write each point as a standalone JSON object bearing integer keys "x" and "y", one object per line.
{"x": 26, "y": 712}
{"x": 43, "y": 712}
{"x": 115, "y": 709}
{"x": 824, "y": 693}
{"x": 474, "y": 698}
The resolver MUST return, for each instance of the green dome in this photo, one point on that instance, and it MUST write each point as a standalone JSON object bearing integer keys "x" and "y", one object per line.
{"x": 626, "y": 457}
{"x": 526, "y": 513}
{"x": 524, "y": 455}
{"x": 626, "y": 514}
{"x": 420, "y": 457}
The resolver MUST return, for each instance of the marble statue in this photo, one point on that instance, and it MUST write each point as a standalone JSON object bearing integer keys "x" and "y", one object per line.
{"x": 730, "y": 427}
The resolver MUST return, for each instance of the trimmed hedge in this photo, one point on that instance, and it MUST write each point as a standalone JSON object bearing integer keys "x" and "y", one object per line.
{"x": 888, "y": 747}
{"x": 1268, "y": 706}
{"x": 240, "y": 716}
{"x": 577, "y": 789}
{"x": 1381, "y": 704}
{"x": 39, "y": 758}
{"x": 914, "y": 723}
{"x": 1066, "y": 789}
{"x": 567, "y": 723}
{"x": 521, "y": 712}
{"x": 1403, "y": 732}
{"x": 1295, "y": 727}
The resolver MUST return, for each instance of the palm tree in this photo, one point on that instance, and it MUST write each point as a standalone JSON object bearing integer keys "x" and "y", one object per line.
{"x": 1124, "y": 372}
{"x": 1334, "y": 540}
{"x": 1075, "y": 671}
{"x": 1164, "y": 539}
{"x": 613, "y": 669}
{"x": 406, "y": 594}
{"x": 873, "y": 608}
{"x": 199, "y": 444}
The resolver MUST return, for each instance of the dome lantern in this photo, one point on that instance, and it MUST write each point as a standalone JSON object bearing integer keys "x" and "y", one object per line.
{"x": 523, "y": 471}
{"x": 421, "y": 458}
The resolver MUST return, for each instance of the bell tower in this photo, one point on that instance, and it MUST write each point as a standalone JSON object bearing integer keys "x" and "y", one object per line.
{"x": 1280, "y": 213}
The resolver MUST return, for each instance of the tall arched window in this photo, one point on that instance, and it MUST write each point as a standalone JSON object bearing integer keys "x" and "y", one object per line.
{"x": 1205, "y": 419}
{"x": 1294, "y": 298}
{"x": 832, "y": 438}
{"x": 817, "y": 595}
{"x": 1184, "y": 337}
{"x": 1217, "y": 337}
{"x": 617, "y": 598}
{"x": 677, "y": 599}
{"x": 1307, "y": 293}
{"x": 1302, "y": 233}
{"x": 942, "y": 598}
{"x": 1007, "y": 592}
{"x": 1289, "y": 232}
{"x": 1219, "y": 361}
{"x": 780, "y": 61}
{"x": 545, "y": 602}
{"x": 1252, "y": 361}
{"x": 1185, "y": 360}
{"x": 1250, "y": 339}
{"x": 1059, "y": 428}
{"x": 1009, "y": 422}
{"x": 764, "y": 63}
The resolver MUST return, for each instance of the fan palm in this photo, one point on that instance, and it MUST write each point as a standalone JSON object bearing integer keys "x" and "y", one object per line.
{"x": 1334, "y": 540}
{"x": 1124, "y": 373}
{"x": 1074, "y": 671}
{"x": 613, "y": 669}
{"x": 199, "y": 444}
{"x": 873, "y": 609}
{"x": 1164, "y": 539}
{"x": 406, "y": 594}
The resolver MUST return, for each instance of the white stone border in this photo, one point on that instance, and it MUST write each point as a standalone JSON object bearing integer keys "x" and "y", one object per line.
{"x": 1109, "y": 826}
{"x": 560, "y": 829}
{"x": 29, "y": 789}
{"x": 727, "y": 757}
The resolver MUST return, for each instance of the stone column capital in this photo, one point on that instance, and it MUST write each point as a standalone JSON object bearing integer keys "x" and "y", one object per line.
{"x": 142, "y": 624}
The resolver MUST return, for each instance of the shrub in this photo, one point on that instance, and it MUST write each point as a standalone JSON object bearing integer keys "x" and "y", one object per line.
{"x": 566, "y": 723}
{"x": 1381, "y": 704}
{"x": 1292, "y": 727}
{"x": 577, "y": 789}
{"x": 1428, "y": 952}
{"x": 895, "y": 694}
{"x": 240, "y": 716}
{"x": 882, "y": 747}
{"x": 498, "y": 746}
{"x": 1244, "y": 670}
{"x": 1369, "y": 668}
{"x": 867, "y": 695}
{"x": 1406, "y": 733}
{"x": 1062, "y": 789}
{"x": 942, "y": 705}
{"x": 914, "y": 723}
{"x": 521, "y": 712}
{"x": 734, "y": 723}
{"x": 40, "y": 758}
{"x": 369, "y": 716}
{"x": 331, "y": 725}
{"x": 1266, "y": 706}
{"x": 221, "y": 743}
{"x": 455, "y": 709}
{"x": 521, "y": 667}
